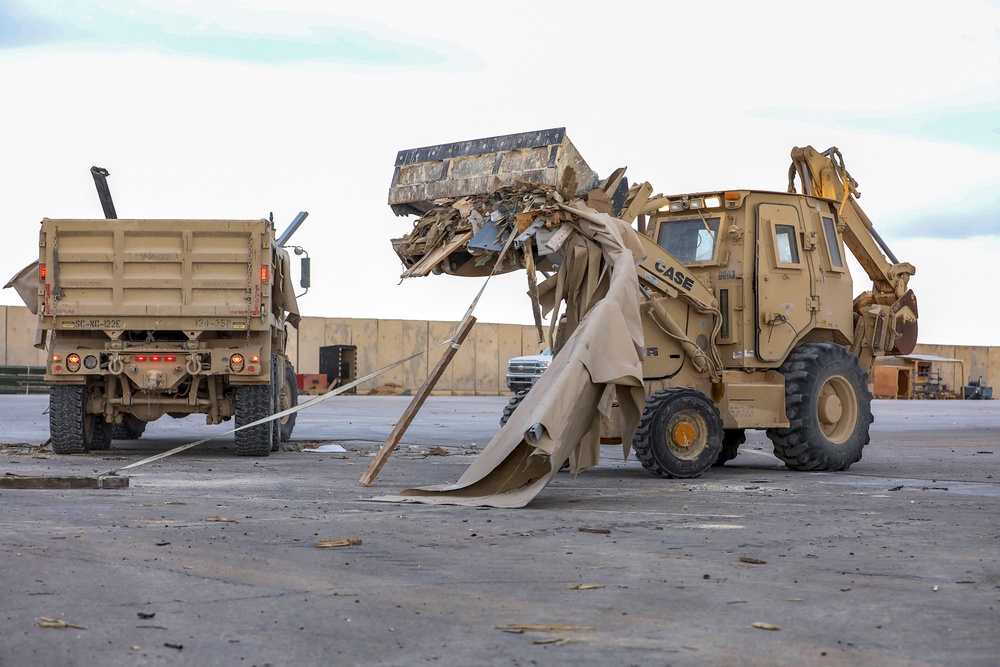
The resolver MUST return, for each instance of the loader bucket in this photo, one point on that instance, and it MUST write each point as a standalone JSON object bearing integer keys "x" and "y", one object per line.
{"x": 476, "y": 167}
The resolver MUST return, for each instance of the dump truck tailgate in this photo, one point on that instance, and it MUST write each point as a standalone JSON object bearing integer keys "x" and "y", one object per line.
{"x": 476, "y": 167}
{"x": 201, "y": 269}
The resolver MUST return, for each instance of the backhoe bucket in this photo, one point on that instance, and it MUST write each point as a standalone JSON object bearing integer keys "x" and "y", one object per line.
{"x": 476, "y": 167}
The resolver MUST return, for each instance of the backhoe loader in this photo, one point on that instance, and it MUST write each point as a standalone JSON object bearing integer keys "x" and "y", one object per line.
{"x": 749, "y": 315}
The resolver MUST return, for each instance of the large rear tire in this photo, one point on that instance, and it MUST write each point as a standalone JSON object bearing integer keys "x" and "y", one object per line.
{"x": 70, "y": 427}
{"x": 828, "y": 407}
{"x": 288, "y": 397}
{"x": 131, "y": 428}
{"x": 680, "y": 433}
{"x": 276, "y": 381}
{"x": 102, "y": 434}
{"x": 731, "y": 440}
{"x": 253, "y": 402}
{"x": 512, "y": 404}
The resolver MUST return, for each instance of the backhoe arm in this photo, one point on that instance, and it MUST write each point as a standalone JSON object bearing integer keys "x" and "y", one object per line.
{"x": 886, "y": 317}
{"x": 824, "y": 175}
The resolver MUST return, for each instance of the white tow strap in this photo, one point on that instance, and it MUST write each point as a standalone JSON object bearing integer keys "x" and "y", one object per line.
{"x": 278, "y": 415}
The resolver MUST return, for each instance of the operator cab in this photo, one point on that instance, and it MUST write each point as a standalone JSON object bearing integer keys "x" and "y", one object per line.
{"x": 690, "y": 240}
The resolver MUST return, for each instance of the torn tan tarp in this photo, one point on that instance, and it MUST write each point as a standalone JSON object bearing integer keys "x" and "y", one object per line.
{"x": 285, "y": 297}
{"x": 25, "y": 283}
{"x": 601, "y": 360}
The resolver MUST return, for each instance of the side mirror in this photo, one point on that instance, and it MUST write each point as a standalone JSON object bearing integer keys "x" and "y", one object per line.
{"x": 304, "y": 273}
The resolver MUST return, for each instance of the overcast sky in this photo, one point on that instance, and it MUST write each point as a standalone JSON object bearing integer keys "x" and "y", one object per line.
{"x": 236, "y": 109}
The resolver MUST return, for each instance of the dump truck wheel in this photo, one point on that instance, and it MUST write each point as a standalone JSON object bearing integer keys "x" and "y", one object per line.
{"x": 131, "y": 428}
{"x": 288, "y": 398}
{"x": 829, "y": 409}
{"x": 679, "y": 435}
{"x": 253, "y": 402}
{"x": 277, "y": 379}
{"x": 512, "y": 404}
{"x": 732, "y": 438}
{"x": 102, "y": 434}
{"x": 70, "y": 427}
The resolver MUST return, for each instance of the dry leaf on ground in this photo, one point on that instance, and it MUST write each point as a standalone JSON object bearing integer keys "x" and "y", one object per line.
{"x": 44, "y": 622}
{"x": 326, "y": 544}
{"x": 765, "y": 626}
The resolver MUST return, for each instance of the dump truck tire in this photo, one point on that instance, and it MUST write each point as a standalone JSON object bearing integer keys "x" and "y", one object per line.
{"x": 288, "y": 398}
{"x": 70, "y": 427}
{"x": 102, "y": 434}
{"x": 512, "y": 404}
{"x": 828, "y": 407}
{"x": 131, "y": 428}
{"x": 732, "y": 438}
{"x": 253, "y": 402}
{"x": 277, "y": 379}
{"x": 680, "y": 433}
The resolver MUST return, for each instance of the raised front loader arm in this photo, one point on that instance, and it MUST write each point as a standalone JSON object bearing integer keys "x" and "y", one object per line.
{"x": 886, "y": 321}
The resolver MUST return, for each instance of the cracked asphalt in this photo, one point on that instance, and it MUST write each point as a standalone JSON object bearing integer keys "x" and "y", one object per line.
{"x": 210, "y": 559}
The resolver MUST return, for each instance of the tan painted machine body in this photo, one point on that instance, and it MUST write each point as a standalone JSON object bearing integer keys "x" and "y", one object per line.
{"x": 772, "y": 265}
{"x": 740, "y": 290}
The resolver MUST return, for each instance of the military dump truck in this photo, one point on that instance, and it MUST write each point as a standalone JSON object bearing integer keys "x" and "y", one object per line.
{"x": 750, "y": 319}
{"x": 146, "y": 318}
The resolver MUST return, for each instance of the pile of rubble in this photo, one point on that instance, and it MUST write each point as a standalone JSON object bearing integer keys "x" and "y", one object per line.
{"x": 466, "y": 236}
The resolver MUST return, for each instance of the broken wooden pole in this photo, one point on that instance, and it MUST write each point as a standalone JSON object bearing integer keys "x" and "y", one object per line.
{"x": 418, "y": 400}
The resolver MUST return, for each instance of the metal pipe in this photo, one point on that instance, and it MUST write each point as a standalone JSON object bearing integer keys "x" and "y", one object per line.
{"x": 287, "y": 234}
{"x": 100, "y": 175}
{"x": 882, "y": 244}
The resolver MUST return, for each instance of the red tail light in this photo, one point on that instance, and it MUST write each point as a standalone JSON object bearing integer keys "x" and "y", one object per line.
{"x": 41, "y": 272}
{"x": 140, "y": 357}
{"x": 263, "y": 274}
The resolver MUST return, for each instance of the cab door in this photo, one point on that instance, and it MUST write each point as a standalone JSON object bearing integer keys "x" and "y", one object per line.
{"x": 782, "y": 281}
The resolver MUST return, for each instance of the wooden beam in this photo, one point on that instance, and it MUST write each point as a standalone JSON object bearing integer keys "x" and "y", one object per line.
{"x": 418, "y": 400}
{"x": 99, "y": 482}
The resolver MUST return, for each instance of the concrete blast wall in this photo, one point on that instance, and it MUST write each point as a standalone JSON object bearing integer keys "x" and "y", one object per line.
{"x": 477, "y": 370}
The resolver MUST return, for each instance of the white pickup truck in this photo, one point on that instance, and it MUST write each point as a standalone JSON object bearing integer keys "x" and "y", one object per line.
{"x": 523, "y": 372}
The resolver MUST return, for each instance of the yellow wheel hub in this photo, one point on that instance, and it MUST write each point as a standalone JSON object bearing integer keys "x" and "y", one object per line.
{"x": 683, "y": 434}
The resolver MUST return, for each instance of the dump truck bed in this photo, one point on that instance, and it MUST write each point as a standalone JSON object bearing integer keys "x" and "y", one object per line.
{"x": 108, "y": 274}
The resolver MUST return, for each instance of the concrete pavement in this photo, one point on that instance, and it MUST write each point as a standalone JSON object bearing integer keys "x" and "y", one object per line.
{"x": 209, "y": 558}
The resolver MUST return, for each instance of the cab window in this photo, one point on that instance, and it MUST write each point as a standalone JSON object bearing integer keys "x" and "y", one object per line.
{"x": 787, "y": 247}
{"x": 690, "y": 241}
{"x": 832, "y": 244}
